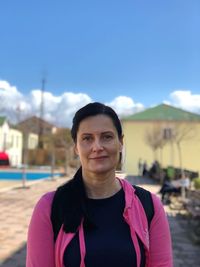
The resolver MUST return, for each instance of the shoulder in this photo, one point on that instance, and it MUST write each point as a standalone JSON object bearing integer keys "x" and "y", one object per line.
{"x": 142, "y": 193}
{"x": 158, "y": 207}
{"x": 149, "y": 199}
{"x": 156, "y": 201}
{"x": 44, "y": 203}
{"x": 47, "y": 197}
{"x": 139, "y": 189}
{"x": 42, "y": 211}
{"x": 145, "y": 197}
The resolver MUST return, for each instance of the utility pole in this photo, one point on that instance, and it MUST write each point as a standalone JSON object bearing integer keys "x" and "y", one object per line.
{"x": 25, "y": 148}
{"x": 41, "y": 126}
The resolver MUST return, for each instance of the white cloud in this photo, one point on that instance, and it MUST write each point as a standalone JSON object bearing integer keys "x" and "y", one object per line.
{"x": 69, "y": 103}
{"x": 10, "y": 98}
{"x": 60, "y": 110}
{"x": 50, "y": 102}
{"x": 9, "y": 94}
{"x": 125, "y": 106}
{"x": 186, "y": 100}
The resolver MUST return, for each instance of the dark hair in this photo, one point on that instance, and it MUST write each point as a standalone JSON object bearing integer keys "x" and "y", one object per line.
{"x": 93, "y": 109}
{"x": 69, "y": 206}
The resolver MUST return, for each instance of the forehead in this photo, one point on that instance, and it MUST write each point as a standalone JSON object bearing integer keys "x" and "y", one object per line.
{"x": 97, "y": 123}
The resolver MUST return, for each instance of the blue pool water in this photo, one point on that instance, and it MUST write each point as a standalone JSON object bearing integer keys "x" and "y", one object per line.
{"x": 4, "y": 175}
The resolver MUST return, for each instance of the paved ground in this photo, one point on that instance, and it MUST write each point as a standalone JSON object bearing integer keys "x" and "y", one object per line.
{"x": 16, "y": 207}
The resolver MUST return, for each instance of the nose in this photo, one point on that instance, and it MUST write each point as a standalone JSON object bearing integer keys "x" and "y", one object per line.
{"x": 97, "y": 145}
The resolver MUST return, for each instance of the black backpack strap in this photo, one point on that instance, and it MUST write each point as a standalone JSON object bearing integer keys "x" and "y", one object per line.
{"x": 147, "y": 202}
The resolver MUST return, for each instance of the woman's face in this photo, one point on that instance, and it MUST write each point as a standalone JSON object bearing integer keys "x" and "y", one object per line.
{"x": 98, "y": 145}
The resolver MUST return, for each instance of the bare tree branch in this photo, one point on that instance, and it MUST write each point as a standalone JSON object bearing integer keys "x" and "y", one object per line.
{"x": 154, "y": 138}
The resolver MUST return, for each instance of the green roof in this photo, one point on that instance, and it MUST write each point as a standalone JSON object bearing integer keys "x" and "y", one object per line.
{"x": 163, "y": 112}
{"x": 2, "y": 119}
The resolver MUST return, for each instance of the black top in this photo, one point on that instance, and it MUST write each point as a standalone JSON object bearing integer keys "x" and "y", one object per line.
{"x": 109, "y": 243}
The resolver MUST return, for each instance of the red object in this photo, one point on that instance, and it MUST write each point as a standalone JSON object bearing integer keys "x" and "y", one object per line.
{"x": 4, "y": 159}
{"x": 3, "y": 156}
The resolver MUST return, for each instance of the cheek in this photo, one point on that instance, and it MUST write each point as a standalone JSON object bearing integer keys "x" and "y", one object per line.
{"x": 116, "y": 149}
{"x": 81, "y": 150}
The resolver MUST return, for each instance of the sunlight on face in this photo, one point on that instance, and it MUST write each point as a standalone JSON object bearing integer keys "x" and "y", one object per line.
{"x": 98, "y": 144}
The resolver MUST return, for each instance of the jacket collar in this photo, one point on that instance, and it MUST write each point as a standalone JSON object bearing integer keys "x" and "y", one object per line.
{"x": 134, "y": 213}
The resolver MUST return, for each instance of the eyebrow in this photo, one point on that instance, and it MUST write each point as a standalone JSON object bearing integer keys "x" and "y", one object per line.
{"x": 106, "y": 132}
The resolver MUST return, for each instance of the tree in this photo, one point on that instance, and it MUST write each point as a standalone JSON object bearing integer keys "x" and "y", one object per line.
{"x": 64, "y": 140}
{"x": 176, "y": 133}
{"x": 154, "y": 138}
{"x": 60, "y": 140}
{"x": 182, "y": 132}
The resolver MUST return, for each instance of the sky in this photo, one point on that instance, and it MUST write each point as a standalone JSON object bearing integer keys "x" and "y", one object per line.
{"x": 129, "y": 54}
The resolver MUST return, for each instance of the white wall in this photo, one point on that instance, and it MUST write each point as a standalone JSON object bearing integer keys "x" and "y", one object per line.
{"x": 11, "y": 143}
{"x": 4, "y": 131}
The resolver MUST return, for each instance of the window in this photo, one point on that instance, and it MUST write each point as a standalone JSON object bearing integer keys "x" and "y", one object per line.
{"x": 167, "y": 133}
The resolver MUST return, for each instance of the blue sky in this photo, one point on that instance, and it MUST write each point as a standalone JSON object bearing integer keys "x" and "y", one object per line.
{"x": 144, "y": 50}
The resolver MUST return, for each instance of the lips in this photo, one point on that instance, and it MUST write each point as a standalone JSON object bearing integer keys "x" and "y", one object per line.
{"x": 98, "y": 158}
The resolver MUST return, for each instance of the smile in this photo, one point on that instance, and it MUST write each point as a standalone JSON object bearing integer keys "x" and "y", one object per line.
{"x": 99, "y": 158}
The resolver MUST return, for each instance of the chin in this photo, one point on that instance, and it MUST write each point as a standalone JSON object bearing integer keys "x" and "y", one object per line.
{"x": 101, "y": 169}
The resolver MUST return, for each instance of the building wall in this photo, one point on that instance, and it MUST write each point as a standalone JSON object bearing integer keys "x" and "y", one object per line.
{"x": 4, "y": 129}
{"x": 14, "y": 149}
{"x": 32, "y": 141}
{"x": 11, "y": 143}
{"x": 136, "y": 147}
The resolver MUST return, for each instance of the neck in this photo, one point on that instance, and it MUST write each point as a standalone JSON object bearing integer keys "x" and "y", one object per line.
{"x": 101, "y": 186}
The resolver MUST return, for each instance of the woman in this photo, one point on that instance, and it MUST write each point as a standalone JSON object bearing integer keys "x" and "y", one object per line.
{"x": 99, "y": 220}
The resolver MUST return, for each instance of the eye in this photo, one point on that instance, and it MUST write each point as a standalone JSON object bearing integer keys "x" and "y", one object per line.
{"x": 87, "y": 138}
{"x": 107, "y": 137}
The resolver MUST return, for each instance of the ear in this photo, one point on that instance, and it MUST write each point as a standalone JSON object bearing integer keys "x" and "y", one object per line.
{"x": 121, "y": 140}
{"x": 76, "y": 150}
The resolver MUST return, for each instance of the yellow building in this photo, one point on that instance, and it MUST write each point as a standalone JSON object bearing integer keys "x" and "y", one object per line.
{"x": 164, "y": 133}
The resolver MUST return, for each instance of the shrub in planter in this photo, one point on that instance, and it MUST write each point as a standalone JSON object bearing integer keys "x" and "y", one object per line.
{"x": 171, "y": 172}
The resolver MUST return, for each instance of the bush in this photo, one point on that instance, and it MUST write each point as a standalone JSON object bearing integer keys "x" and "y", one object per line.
{"x": 197, "y": 183}
{"x": 171, "y": 173}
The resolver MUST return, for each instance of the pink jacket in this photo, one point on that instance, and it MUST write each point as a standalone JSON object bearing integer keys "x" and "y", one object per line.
{"x": 42, "y": 252}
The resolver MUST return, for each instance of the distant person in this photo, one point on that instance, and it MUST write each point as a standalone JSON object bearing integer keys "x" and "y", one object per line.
{"x": 145, "y": 169}
{"x": 97, "y": 219}
{"x": 140, "y": 167}
{"x": 175, "y": 186}
{"x": 155, "y": 171}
